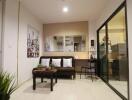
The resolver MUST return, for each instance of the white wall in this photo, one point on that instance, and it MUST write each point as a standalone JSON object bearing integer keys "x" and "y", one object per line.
{"x": 92, "y": 35}
{"x": 25, "y": 64}
{"x": 129, "y": 15}
{"x": 10, "y": 37}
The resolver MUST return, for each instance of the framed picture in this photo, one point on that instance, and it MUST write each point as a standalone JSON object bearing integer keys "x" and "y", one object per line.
{"x": 32, "y": 42}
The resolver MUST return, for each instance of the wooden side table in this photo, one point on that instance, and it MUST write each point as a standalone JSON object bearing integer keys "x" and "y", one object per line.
{"x": 44, "y": 73}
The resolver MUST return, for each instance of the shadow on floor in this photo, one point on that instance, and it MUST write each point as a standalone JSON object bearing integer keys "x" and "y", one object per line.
{"x": 41, "y": 88}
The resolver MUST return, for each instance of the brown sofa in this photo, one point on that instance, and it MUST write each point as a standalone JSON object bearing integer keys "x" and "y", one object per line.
{"x": 62, "y": 72}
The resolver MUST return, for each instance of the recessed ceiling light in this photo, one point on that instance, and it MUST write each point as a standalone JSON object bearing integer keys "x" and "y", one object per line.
{"x": 65, "y": 9}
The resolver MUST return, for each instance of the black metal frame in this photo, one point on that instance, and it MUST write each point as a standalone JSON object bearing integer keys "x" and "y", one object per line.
{"x": 123, "y": 5}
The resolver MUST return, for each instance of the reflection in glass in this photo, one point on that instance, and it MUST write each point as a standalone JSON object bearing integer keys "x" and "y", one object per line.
{"x": 75, "y": 43}
{"x": 102, "y": 51}
{"x": 69, "y": 43}
{"x": 58, "y": 43}
{"x": 117, "y": 53}
{"x": 54, "y": 43}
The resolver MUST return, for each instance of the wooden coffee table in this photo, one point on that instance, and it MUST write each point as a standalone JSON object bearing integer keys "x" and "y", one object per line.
{"x": 44, "y": 73}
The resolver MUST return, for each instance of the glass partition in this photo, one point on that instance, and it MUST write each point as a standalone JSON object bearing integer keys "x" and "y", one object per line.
{"x": 102, "y": 52}
{"x": 113, "y": 53}
{"x": 117, "y": 53}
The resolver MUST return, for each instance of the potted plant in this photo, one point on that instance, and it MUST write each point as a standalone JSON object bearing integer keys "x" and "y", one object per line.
{"x": 7, "y": 86}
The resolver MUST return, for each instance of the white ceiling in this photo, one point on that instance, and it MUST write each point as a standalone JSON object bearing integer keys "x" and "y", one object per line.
{"x": 50, "y": 11}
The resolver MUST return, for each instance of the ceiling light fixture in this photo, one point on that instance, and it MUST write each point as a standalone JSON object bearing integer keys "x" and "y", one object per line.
{"x": 65, "y": 9}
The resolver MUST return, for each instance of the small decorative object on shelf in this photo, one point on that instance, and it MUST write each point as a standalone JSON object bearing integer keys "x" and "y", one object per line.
{"x": 91, "y": 57}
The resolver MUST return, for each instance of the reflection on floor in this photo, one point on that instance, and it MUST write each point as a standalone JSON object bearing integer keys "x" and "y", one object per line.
{"x": 66, "y": 89}
{"x": 121, "y": 86}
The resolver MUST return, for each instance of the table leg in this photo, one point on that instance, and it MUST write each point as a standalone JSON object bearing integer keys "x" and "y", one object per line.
{"x": 34, "y": 83}
{"x": 55, "y": 78}
{"x": 85, "y": 72}
{"x": 81, "y": 73}
{"x": 74, "y": 76}
{"x": 42, "y": 80}
{"x": 51, "y": 83}
{"x": 91, "y": 71}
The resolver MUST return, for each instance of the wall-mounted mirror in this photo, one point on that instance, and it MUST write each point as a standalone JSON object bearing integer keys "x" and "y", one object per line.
{"x": 58, "y": 43}
{"x": 54, "y": 43}
{"x": 76, "y": 43}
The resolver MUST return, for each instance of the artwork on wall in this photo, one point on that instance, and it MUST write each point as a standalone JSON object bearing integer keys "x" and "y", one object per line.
{"x": 32, "y": 42}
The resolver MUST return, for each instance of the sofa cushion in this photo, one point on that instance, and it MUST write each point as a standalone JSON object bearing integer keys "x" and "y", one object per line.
{"x": 45, "y": 62}
{"x": 56, "y": 62}
{"x": 61, "y": 71}
{"x": 67, "y": 62}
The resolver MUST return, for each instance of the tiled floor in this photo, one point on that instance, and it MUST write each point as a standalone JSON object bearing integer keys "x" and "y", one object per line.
{"x": 79, "y": 89}
{"x": 121, "y": 86}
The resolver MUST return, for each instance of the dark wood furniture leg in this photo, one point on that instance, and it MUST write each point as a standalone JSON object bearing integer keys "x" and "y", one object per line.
{"x": 42, "y": 80}
{"x": 74, "y": 76}
{"x": 81, "y": 73}
{"x": 85, "y": 72}
{"x": 55, "y": 78}
{"x": 34, "y": 82}
{"x": 51, "y": 83}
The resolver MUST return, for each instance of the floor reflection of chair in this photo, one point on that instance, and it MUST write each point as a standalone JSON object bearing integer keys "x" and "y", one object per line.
{"x": 89, "y": 69}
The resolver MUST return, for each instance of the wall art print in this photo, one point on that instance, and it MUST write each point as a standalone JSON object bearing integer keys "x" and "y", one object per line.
{"x": 32, "y": 42}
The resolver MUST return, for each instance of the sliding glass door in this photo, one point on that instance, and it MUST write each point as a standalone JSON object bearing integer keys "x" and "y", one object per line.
{"x": 117, "y": 51}
{"x": 103, "y": 54}
{"x": 113, "y": 52}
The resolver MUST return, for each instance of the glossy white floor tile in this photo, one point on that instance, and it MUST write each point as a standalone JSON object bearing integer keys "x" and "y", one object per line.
{"x": 121, "y": 86}
{"x": 79, "y": 89}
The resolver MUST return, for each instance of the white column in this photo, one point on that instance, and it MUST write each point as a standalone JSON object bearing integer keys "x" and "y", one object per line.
{"x": 129, "y": 14}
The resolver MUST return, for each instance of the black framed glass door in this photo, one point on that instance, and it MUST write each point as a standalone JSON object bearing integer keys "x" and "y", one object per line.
{"x": 117, "y": 53}
{"x": 113, "y": 52}
{"x": 103, "y": 53}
